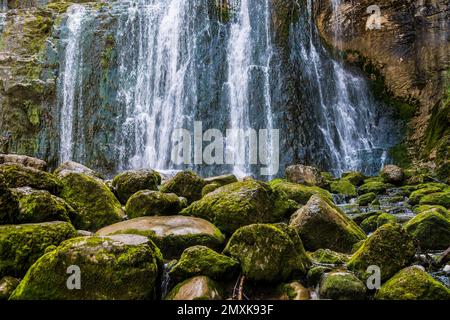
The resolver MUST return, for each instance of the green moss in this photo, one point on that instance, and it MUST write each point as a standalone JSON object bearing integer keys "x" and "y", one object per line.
{"x": 298, "y": 192}
{"x": 413, "y": 284}
{"x": 185, "y": 184}
{"x": 154, "y": 203}
{"x": 210, "y": 188}
{"x": 417, "y": 195}
{"x": 197, "y": 288}
{"x": 438, "y": 198}
{"x": 375, "y": 187}
{"x": 328, "y": 256}
{"x": 431, "y": 228}
{"x": 21, "y": 245}
{"x": 355, "y": 178}
{"x": 370, "y": 224}
{"x": 385, "y": 218}
{"x": 366, "y": 199}
{"x": 342, "y": 286}
{"x": 389, "y": 247}
{"x": 201, "y": 260}
{"x": 242, "y": 203}
{"x": 343, "y": 187}
{"x": 95, "y": 204}
{"x": 129, "y": 182}
{"x": 110, "y": 269}
{"x": 315, "y": 274}
{"x": 16, "y": 176}
{"x": 267, "y": 253}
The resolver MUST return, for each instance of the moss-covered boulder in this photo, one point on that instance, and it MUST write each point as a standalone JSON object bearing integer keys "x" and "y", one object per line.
{"x": 438, "y": 198}
{"x": 116, "y": 267}
{"x": 95, "y": 204}
{"x": 35, "y": 206}
{"x": 370, "y": 224}
{"x": 417, "y": 195}
{"x": 359, "y": 218}
{"x": 392, "y": 174}
{"x": 210, "y": 188}
{"x": 71, "y": 166}
{"x": 355, "y": 178}
{"x": 242, "y": 203}
{"x": 366, "y": 199}
{"x": 306, "y": 175}
{"x": 154, "y": 203}
{"x": 185, "y": 184}
{"x": 17, "y": 176}
{"x": 197, "y": 288}
{"x": 293, "y": 291}
{"x": 431, "y": 228}
{"x": 21, "y": 245}
{"x": 268, "y": 252}
{"x": 316, "y": 273}
{"x": 321, "y": 224}
{"x": 129, "y": 182}
{"x": 342, "y": 286}
{"x": 343, "y": 187}
{"x": 413, "y": 283}
{"x": 222, "y": 180}
{"x": 389, "y": 248}
{"x": 385, "y": 218}
{"x": 7, "y": 286}
{"x": 23, "y": 160}
{"x": 171, "y": 234}
{"x": 327, "y": 256}
{"x": 201, "y": 260}
{"x": 374, "y": 186}
{"x": 297, "y": 192}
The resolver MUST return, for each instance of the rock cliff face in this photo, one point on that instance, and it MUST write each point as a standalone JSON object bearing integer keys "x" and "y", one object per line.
{"x": 408, "y": 60}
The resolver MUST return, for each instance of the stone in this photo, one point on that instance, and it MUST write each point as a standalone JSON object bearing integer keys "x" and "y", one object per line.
{"x": 21, "y": 245}
{"x": 392, "y": 174}
{"x": 23, "y": 160}
{"x": 389, "y": 248}
{"x": 71, "y": 166}
{"x": 355, "y": 178}
{"x": 297, "y": 192}
{"x": 268, "y": 252}
{"x": 321, "y": 224}
{"x": 154, "y": 203}
{"x": 7, "y": 286}
{"x": 438, "y": 198}
{"x": 306, "y": 175}
{"x": 122, "y": 267}
{"x": 17, "y": 176}
{"x": 327, "y": 256}
{"x": 417, "y": 195}
{"x": 343, "y": 187}
{"x": 412, "y": 283}
{"x": 342, "y": 286}
{"x": 185, "y": 184}
{"x": 431, "y": 228}
{"x": 242, "y": 203}
{"x": 95, "y": 204}
{"x": 172, "y": 234}
{"x": 373, "y": 187}
{"x": 197, "y": 288}
{"x": 129, "y": 182}
{"x": 366, "y": 199}
{"x": 222, "y": 180}
{"x": 201, "y": 260}
{"x": 294, "y": 291}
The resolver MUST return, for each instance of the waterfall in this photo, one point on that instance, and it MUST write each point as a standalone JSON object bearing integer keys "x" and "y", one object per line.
{"x": 3, "y": 12}
{"x": 348, "y": 117}
{"x": 69, "y": 81}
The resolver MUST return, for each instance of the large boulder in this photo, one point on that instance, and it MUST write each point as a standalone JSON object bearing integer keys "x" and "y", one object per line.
{"x": 268, "y": 252}
{"x": 392, "y": 174}
{"x": 171, "y": 234}
{"x": 71, "y": 166}
{"x": 389, "y": 248}
{"x": 33, "y": 206}
{"x": 116, "y": 267}
{"x": 297, "y": 192}
{"x": 21, "y": 245}
{"x": 438, "y": 198}
{"x": 242, "y": 203}
{"x": 431, "y": 228}
{"x": 17, "y": 176}
{"x": 129, "y": 182}
{"x": 342, "y": 286}
{"x": 23, "y": 160}
{"x": 354, "y": 177}
{"x": 376, "y": 187}
{"x": 321, "y": 224}
{"x": 197, "y": 288}
{"x": 306, "y": 175}
{"x": 413, "y": 283}
{"x": 417, "y": 195}
{"x": 185, "y": 184}
{"x": 201, "y": 260}
{"x": 95, "y": 204}
{"x": 343, "y": 187}
{"x": 154, "y": 203}
{"x": 366, "y": 198}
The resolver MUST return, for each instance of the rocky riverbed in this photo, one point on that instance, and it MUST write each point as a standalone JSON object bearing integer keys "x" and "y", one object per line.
{"x": 148, "y": 235}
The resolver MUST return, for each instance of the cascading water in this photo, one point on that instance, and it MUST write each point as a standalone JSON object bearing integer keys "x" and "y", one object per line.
{"x": 349, "y": 119}
{"x": 70, "y": 82}
{"x": 3, "y": 12}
